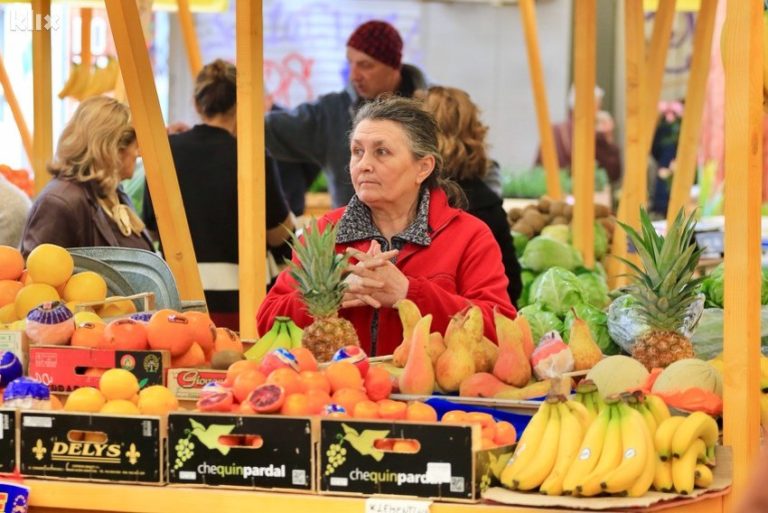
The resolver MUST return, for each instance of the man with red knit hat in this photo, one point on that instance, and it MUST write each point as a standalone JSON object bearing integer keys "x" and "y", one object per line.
{"x": 317, "y": 131}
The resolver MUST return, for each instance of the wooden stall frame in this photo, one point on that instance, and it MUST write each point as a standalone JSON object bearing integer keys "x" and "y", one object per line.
{"x": 18, "y": 115}
{"x": 42, "y": 136}
{"x": 187, "y": 22}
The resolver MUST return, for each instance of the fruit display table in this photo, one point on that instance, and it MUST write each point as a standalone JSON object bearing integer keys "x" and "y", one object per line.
{"x": 61, "y": 496}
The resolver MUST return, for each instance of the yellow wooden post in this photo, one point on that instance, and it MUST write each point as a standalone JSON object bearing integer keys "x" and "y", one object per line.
{"x": 155, "y": 150}
{"x": 583, "y": 158}
{"x": 86, "y": 16}
{"x": 742, "y": 59}
{"x": 635, "y": 189}
{"x": 187, "y": 23}
{"x": 42, "y": 141}
{"x": 690, "y": 130}
{"x": 18, "y": 116}
{"x": 548, "y": 152}
{"x": 251, "y": 195}
{"x": 654, "y": 67}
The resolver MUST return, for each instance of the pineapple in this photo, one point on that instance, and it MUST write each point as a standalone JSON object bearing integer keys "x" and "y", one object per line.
{"x": 320, "y": 281}
{"x": 664, "y": 288}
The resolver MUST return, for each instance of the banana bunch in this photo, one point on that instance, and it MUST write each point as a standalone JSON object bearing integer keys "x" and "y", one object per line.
{"x": 82, "y": 83}
{"x": 283, "y": 334}
{"x": 588, "y": 395}
{"x": 76, "y": 82}
{"x": 685, "y": 451}
{"x": 652, "y": 407}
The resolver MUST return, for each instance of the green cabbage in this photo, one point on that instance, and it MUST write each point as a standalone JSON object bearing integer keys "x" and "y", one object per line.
{"x": 707, "y": 338}
{"x": 519, "y": 241}
{"x": 527, "y": 277}
{"x": 542, "y": 253}
{"x": 557, "y": 290}
{"x": 714, "y": 289}
{"x": 597, "y": 320}
{"x": 594, "y": 289}
{"x": 540, "y": 321}
{"x": 601, "y": 241}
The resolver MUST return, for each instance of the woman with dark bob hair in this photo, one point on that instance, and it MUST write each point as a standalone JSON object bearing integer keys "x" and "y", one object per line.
{"x": 402, "y": 223}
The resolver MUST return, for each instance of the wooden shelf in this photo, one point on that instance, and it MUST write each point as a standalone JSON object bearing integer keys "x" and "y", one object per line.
{"x": 63, "y": 496}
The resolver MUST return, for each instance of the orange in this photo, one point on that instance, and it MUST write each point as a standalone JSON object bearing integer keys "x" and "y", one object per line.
{"x": 120, "y": 407}
{"x": 317, "y": 400}
{"x": 246, "y": 382}
{"x": 11, "y": 263}
{"x": 25, "y": 278}
{"x": 455, "y": 417}
{"x": 420, "y": 412}
{"x": 8, "y": 291}
{"x": 33, "y": 295}
{"x": 192, "y": 359}
{"x": 487, "y": 443}
{"x": 116, "y": 308}
{"x": 287, "y": 378}
{"x": 118, "y": 384}
{"x": 157, "y": 400}
{"x": 95, "y": 372}
{"x": 203, "y": 331}
{"x": 505, "y": 433}
{"x": 88, "y": 334}
{"x": 237, "y": 368}
{"x": 50, "y": 264}
{"x": 314, "y": 380}
{"x": 85, "y": 400}
{"x": 392, "y": 410}
{"x": 227, "y": 340}
{"x": 343, "y": 374}
{"x": 366, "y": 410}
{"x": 56, "y": 403}
{"x": 85, "y": 287}
{"x": 169, "y": 330}
{"x": 404, "y": 446}
{"x": 348, "y": 398}
{"x": 305, "y": 358}
{"x": 378, "y": 383}
{"x": 126, "y": 335}
{"x": 296, "y": 405}
{"x": 485, "y": 421}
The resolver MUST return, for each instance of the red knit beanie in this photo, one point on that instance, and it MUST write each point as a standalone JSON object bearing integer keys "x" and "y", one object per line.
{"x": 380, "y": 40}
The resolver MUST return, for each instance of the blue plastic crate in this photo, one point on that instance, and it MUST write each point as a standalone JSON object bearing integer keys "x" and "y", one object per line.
{"x": 442, "y": 406}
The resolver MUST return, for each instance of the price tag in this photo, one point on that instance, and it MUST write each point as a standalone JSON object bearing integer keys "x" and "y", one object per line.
{"x": 374, "y": 505}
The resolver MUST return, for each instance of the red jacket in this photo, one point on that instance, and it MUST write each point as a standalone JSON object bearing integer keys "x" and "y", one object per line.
{"x": 462, "y": 265}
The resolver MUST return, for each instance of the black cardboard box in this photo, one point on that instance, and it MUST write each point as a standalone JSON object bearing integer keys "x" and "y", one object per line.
{"x": 92, "y": 447}
{"x": 354, "y": 458}
{"x": 264, "y": 452}
{"x": 7, "y": 440}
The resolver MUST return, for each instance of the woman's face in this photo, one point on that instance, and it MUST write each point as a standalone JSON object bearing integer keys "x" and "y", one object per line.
{"x": 384, "y": 171}
{"x": 128, "y": 156}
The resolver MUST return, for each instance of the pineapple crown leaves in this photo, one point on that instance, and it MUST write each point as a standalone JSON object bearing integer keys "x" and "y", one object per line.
{"x": 320, "y": 271}
{"x": 668, "y": 262}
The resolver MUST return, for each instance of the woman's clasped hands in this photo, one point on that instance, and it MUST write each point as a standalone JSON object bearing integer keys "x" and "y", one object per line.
{"x": 374, "y": 280}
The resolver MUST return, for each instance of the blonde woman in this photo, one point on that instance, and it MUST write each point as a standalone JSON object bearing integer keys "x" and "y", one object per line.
{"x": 461, "y": 141}
{"x": 82, "y": 205}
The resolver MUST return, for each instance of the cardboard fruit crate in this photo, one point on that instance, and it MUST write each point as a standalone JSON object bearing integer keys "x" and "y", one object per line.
{"x": 186, "y": 384}
{"x": 252, "y": 451}
{"x": 448, "y": 463}
{"x": 63, "y": 368}
{"x": 92, "y": 447}
{"x": 8, "y": 456}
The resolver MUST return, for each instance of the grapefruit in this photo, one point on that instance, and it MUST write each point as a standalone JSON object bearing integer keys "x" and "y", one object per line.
{"x": 50, "y": 264}
{"x": 85, "y": 287}
{"x": 32, "y": 295}
{"x": 118, "y": 384}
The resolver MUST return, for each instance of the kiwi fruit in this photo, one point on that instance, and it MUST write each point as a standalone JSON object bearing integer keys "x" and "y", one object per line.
{"x": 223, "y": 359}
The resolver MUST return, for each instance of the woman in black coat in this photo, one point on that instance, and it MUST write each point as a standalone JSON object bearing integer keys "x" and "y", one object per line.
{"x": 465, "y": 160}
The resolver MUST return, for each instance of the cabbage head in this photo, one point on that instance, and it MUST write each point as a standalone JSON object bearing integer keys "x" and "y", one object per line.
{"x": 601, "y": 241}
{"x": 541, "y": 253}
{"x": 594, "y": 289}
{"x": 557, "y": 290}
{"x": 541, "y": 321}
{"x": 713, "y": 287}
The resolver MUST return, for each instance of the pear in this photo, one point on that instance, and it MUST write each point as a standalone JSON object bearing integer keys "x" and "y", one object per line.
{"x": 586, "y": 353}
{"x": 485, "y": 354}
{"x": 527, "y": 334}
{"x": 409, "y": 315}
{"x": 418, "y": 377}
{"x": 456, "y": 363}
{"x": 435, "y": 347}
{"x": 512, "y": 366}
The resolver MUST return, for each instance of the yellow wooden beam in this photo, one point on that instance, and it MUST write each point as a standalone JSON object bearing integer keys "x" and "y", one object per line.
{"x": 536, "y": 72}
{"x": 654, "y": 67}
{"x": 695, "y": 95}
{"x": 742, "y": 48}
{"x": 583, "y": 157}
{"x": 18, "y": 116}
{"x": 251, "y": 191}
{"x": 86, "y": 16}
{"x": 187, "y": 23}
{"x": 42, "y": 141}
{"x": 634, "y": 192}
{"x": 155, "y": 150}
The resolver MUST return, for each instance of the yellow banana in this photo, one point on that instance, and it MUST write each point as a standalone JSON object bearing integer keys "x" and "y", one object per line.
{"x": 294, "y": 332}
{"x": 282, "y": 340}
{"x": 571, "y": 435}
{"x": 589, "y": 452}
{"x": 662, "y": 480}
{"x": 696, "y": 425}
{"x": 643, "y": 483}
{"x": 581, "y": 413}
{"x": 657, "y": 407}
{"x": 499, "y": 463}
{"x": 663, "y": 436}
{"x": 260, "y": 348}
{"x": 703, "y": 476}
{"x": 598, "y": 400}
{"x": 528, "y": 444}
{"x": 764, "y": 410}
{"x": 635, "y": 447}
{"x": 610, "y": 457}
{"x": 532, "y": 475}
{"x": 648, "y": 417}
{"x": 684, "y": 467}
{"x": 589, "y": 404}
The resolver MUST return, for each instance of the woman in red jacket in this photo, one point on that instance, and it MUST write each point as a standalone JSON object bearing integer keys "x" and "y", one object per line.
{"x": 403, "y": 225}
